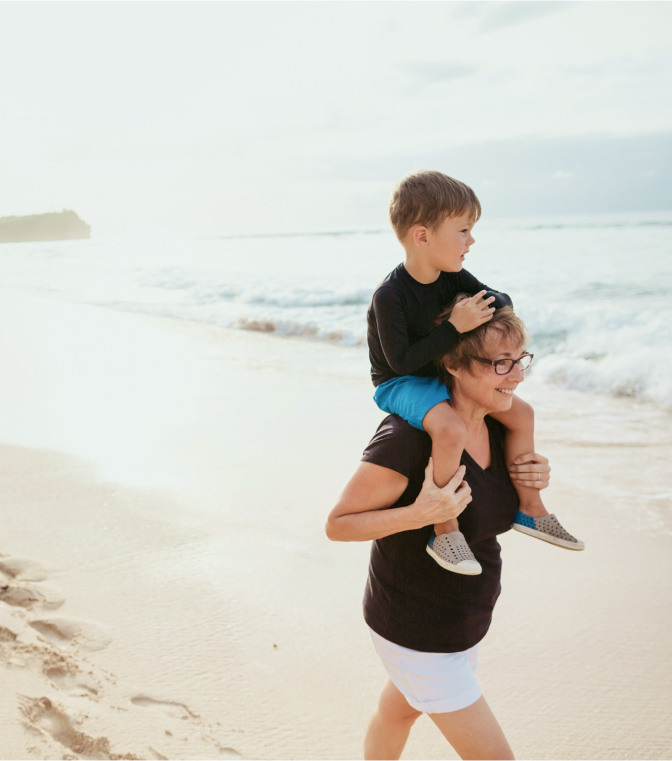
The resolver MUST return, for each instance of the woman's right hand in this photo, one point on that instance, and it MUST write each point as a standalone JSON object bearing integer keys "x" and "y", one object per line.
{"x": 435, "y": 505}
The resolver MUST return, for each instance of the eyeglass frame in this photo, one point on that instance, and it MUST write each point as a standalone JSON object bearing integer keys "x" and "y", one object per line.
{"x": 498, "y": 362}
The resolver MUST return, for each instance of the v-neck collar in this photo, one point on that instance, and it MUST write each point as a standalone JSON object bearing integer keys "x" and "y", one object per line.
{"x": 492, "y": 454}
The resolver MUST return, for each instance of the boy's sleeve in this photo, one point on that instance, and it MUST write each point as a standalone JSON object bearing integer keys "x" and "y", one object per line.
{"x": 405, "y": 358}
{"x": 471, "y": 285}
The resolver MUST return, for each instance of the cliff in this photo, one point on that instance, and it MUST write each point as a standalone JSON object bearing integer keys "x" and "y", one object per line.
{"x": 64, "y": 225}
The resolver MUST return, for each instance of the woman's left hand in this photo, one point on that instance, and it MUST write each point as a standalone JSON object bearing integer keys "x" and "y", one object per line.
{"x": 531, "y": 470}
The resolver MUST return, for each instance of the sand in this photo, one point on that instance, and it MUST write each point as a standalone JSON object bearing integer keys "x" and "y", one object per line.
{"x": 166, "y": 589}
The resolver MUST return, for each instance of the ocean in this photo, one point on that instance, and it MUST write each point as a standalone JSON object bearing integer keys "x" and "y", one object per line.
{"x": 594, "y": 290}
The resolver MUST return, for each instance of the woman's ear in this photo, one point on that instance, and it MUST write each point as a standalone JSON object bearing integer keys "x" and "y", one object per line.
{"x": 453, "y": 371}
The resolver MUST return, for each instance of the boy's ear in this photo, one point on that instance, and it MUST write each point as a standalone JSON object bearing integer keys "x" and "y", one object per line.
{"x": 420, "y": 236}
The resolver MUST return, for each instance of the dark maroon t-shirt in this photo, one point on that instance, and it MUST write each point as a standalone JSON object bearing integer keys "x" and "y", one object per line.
{"x": 410, "y": 600}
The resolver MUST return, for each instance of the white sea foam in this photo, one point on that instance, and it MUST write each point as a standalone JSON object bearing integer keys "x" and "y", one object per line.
{"x": 594, "y": 290}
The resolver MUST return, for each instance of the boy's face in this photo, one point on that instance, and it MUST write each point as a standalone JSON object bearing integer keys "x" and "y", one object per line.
{"x": 448, "y": 243}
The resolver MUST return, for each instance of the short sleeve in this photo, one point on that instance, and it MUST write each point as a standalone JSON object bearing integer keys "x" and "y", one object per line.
{"x": 399, "y": 446}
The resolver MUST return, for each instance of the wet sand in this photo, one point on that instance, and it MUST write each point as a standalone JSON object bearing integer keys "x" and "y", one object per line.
{"x": 168, "y": 592}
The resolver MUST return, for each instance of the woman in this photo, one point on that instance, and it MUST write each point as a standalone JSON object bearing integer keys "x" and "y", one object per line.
{"x": 426, "y": 624}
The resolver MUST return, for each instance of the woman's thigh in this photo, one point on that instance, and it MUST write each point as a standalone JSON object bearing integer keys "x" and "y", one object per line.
{"x": 393, "y": 706}
{"x": 474, "y": 732}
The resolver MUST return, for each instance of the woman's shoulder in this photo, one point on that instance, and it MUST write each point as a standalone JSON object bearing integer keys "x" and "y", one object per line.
{"x": 399, "y": 446}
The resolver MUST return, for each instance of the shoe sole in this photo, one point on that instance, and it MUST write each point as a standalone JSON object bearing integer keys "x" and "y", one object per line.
{"x": 575, "y": 546}
{"x": 450, "y": 567}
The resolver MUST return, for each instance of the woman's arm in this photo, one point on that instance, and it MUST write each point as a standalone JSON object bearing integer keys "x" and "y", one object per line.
{"x": 360, "y": 515}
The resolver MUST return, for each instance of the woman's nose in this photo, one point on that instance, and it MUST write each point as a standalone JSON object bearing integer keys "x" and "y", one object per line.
{"x": 517, "y": 373}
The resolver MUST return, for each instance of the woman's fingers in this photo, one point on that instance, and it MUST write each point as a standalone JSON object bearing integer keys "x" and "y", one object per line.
{"x": 531, "y": 457}
{"x": 533, "y": 467}
{"x": 542, "y": 484}
{"x": 531, "y": 481}
{"x": 455, "y": 481}
{"x": 531, "y": 470}
{"x": 463, "y": 494}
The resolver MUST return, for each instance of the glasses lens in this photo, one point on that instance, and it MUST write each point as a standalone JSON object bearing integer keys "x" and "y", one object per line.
{"x": 504, "y": 366}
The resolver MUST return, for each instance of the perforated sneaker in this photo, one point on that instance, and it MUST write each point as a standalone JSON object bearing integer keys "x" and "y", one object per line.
{"x": 452, "y": 552}
{"x": 548, "y": 529}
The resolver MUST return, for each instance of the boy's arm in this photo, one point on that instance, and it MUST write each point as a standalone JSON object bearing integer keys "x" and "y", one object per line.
{"x": 405, "y": 358}
{"x": 471, "y": 285}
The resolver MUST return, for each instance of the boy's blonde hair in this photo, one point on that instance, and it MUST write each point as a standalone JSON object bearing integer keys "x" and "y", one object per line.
{"x": 504, "y": 322}
{"x": 427, "y": 198}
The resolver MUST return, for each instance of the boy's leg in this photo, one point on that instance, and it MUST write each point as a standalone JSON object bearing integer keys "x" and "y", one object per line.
{"x": 533, "y": 518}
{"x": 519, "y": 422}
{"x": 449, "y": 435}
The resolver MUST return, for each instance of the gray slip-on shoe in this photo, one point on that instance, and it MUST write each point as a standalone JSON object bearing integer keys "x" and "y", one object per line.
{"x": 452, "y": 552}
{"x": 548, "y": 529}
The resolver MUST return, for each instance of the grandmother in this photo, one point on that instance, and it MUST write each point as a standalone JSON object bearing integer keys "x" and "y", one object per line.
{"x": 426, "y": 624}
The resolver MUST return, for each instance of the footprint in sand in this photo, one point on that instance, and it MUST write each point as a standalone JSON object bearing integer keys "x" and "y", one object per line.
{"x": 7, "y": 635}
{"x": 67, "y": 631}
{"x": 64, "y": 673}
{"x": 41, "y": 714}
{"x": 27, "y": 595}
{"x": 23, "y": 569}
{"x": 169, "y": 707}
{"x": 17, "y": 589}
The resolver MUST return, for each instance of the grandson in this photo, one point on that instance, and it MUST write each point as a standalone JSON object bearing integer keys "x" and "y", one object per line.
{"x": 432, "y": 216}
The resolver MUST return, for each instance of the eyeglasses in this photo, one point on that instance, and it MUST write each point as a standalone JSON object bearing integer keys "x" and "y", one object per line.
{"x": 504, "y": 366}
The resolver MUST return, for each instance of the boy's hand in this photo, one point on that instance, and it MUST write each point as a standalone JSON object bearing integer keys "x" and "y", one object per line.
{"x": 531, "y": 470}
{"x": 470, "y": 313}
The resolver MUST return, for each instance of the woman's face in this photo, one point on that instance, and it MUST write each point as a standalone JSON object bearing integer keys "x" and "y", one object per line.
{"x": 481, "y": 384}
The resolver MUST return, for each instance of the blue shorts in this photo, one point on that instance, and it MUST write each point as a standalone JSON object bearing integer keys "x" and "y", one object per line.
{"x": 411, "y": 397}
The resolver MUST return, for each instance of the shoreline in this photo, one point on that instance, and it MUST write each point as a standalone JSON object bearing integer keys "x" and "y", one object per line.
{"x": 195, "y": 579}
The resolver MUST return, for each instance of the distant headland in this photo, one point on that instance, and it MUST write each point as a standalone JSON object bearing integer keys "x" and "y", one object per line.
{"x": 64, "y": 225}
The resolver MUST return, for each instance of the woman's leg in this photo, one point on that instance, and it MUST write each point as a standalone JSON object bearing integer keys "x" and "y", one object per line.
{"x": 390, "y": 725}
{"x": 474, "y": 732}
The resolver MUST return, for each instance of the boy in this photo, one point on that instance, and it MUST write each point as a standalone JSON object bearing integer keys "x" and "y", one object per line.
{"x": 432, "y": 216}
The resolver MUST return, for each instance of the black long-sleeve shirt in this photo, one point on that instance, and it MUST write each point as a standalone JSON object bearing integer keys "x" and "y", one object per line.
{"x": 401, "y": 333}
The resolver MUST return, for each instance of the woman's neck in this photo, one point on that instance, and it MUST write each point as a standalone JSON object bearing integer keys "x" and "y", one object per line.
{"x": 472, "y": 414}
{"x": 478, "y": 440}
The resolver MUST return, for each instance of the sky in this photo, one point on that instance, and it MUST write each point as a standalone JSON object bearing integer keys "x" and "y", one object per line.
{"x": 221, "y": 118}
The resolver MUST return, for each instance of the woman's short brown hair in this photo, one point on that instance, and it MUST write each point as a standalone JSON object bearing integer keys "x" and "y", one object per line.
{"x": 504, "y": 321}
{"x": 427, "y": 198}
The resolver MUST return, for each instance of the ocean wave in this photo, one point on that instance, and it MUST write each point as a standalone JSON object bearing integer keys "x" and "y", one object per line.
{"x": 606, "y": 351}
{"x": 206, "y": 290}
{"x": 593, "y": 226}
{"x": 636, "y": 375}
{"x": 603, "y": 338}
{"x": 302, "y": 330}
{"x": 306, "y": 234}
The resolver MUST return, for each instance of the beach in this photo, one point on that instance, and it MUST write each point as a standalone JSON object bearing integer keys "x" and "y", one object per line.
{"x": 168, "y": 590}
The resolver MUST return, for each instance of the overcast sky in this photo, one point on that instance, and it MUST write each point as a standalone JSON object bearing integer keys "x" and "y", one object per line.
{"x": 221, "y": 118}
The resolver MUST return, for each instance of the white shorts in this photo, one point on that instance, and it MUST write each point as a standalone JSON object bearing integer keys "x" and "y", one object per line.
{"x": 431, "y": 682}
